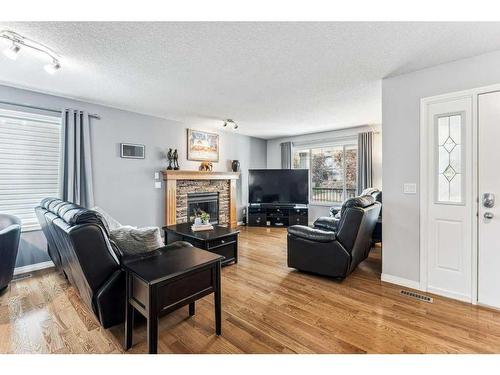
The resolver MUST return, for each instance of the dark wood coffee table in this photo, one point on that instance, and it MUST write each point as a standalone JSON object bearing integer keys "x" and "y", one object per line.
{"x": 163, "y": 283}
{"x": 220, "y": 240}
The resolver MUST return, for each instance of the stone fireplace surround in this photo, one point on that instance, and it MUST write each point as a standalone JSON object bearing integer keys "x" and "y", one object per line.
{"x": 202, "y": 186}
{"x": 179, "y": 183}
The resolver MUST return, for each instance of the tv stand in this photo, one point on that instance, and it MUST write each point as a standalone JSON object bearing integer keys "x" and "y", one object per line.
{"x": 277, "y": 215}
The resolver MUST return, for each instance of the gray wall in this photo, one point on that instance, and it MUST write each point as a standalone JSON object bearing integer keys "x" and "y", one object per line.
{"x": 274, "y": 157}
{"x": 401, "y": 120}
{"x": 125, "y": 187}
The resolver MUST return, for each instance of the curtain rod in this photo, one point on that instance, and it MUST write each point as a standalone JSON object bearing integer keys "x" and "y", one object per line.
{"x": 94, "y": 115}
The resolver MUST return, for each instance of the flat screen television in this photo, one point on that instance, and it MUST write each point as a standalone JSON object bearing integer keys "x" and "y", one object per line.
{"x": 278, "y": 186}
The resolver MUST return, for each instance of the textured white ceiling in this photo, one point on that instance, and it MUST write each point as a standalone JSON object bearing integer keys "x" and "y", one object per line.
{"x": 273, "y": 78}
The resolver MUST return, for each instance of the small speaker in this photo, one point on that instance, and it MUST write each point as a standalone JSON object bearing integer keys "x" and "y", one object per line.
{"x": 131, "y": 151}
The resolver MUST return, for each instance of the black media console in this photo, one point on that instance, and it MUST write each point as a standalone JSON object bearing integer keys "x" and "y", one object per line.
{"x": 270, "y": 215}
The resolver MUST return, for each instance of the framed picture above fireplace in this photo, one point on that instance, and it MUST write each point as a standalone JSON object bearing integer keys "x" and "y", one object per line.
{"x": 202, "y": 146}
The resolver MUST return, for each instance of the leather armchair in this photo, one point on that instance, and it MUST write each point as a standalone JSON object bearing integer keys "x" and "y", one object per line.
{"x": 374, "y": 192}
{"x": 334, "y": 247}
{"x": 10, "y": 234}
{"x": 335, "y": 213}
{"x": 79, "y": 245}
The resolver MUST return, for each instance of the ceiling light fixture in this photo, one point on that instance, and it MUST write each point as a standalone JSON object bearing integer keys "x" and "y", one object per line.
{"x": 12, "y": 52}
{"x": 230, "y": 124}
{"x": 53, "y": 67}
{"x": 19, "y": 41}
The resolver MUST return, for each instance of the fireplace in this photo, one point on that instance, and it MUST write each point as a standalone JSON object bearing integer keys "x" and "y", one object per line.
{"x": 178, "y": 184}
{"x": 204, "y": 201}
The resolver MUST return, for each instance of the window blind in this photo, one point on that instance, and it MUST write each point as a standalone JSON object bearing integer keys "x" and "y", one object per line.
{"x": 30, "y": 147}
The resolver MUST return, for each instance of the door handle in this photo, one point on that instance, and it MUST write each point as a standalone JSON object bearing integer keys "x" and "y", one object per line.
{"x": 488, "y": 215}
{"x": 488, "y": 200}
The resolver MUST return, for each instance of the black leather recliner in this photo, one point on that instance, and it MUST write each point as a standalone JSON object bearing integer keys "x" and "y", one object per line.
{"x": 377, "y": 231}
{"x": 334, "y": 247}
{"x": 374, "y": 192}
{"x": 79, "y": 245}
{"x": 10, "y": 233}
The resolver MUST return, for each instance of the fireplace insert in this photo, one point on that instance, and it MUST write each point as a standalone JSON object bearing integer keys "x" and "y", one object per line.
{"x": 207, "y": 202}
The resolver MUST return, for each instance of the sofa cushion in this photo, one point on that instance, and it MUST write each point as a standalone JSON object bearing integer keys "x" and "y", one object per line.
{"x": 133, "y": 240}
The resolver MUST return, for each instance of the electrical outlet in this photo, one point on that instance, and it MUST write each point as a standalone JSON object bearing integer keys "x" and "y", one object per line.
{"x": 157, "y": 175}
{"x": 157, "y": 184}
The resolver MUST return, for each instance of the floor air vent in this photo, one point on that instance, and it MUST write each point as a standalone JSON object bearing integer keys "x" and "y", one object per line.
{"x": 420, "y": 297}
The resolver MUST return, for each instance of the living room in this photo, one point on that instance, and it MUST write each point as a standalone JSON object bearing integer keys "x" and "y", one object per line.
{"x": 248, "y": 188}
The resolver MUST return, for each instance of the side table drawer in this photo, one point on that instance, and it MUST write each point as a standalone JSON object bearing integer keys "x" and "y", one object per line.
{"x": 220, "y": 242}
{"x": 185, "y": 287}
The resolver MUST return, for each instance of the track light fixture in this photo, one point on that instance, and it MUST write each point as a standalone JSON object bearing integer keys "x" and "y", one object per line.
{"x": 230, "y": 124}
{"x": 12, "y": 52}
{"x": 53, "y": 67}
{"x": 19, "y": 41}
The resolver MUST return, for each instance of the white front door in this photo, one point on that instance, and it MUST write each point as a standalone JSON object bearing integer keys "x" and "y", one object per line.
{"x": 449, "y": 203}
{"x": 489, "y": 196}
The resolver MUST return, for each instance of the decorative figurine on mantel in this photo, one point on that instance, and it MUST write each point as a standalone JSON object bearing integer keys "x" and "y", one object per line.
{"x": 206, "y": 166}
{"x": 170, "y": 158}
{"x": 175, "y": 156}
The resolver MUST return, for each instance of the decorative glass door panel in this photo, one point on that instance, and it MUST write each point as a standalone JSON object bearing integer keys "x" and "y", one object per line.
{"x": 449, "y": 154}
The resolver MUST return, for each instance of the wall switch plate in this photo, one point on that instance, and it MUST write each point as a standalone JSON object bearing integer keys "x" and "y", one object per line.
{"x": 409, "y": 188}
{"x": 157, "y": 184}
{"x": 157, "y": 175}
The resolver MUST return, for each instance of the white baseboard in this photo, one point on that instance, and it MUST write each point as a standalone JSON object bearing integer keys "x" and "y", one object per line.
{"x": 416, "y": 285}
{"x": 448, "y": 294}
{"x": 400, "y": 281}
{"x": 33, "y": 267}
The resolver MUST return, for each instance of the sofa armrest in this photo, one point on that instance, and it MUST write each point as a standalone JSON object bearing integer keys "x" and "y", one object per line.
{"x": 109, "y": 301}
{"x": 324, "y": 258}
{"x": 334, "y": 210}
{"x": 312, "y": 234}
{"x": 128, "y": 258}
{"x": 326, "y": 223}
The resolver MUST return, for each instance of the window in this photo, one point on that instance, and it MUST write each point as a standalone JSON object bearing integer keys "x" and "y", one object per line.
{"x": 332, "y": 170}
{"x": 449, "y": 163}
{"x": 29, "y": 163}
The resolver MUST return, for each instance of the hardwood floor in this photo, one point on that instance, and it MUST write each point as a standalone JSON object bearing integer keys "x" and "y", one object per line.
{"x": 267, "y": 308}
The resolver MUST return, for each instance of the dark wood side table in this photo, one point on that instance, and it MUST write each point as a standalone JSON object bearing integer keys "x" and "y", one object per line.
{"x": 165, "y": 282}
{"x": 220, "y": 240}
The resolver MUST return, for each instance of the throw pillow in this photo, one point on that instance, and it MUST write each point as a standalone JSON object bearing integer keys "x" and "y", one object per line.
{"x": 136, "y": 240}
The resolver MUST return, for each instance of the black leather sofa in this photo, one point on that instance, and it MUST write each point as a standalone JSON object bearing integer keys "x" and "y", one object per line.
{"x": 10, "y": 233}
{"x": 334, "y": 247}
{"x": 79, "y": 245}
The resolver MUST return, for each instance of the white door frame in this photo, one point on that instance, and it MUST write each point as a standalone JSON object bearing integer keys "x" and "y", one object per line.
{"x": 473, "y": 195}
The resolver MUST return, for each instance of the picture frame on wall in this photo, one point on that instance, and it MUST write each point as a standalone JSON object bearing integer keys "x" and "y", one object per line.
{"x": 132, "y": 151}
{"x": 202, "y": 146}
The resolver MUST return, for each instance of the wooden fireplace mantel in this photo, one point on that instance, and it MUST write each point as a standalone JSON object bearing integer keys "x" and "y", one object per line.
{"x": 171, "y": 177}
{"x": 199, "y": 175}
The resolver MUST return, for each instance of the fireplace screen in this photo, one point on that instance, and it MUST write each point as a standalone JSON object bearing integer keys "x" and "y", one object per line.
{"x": 207, "y": 202}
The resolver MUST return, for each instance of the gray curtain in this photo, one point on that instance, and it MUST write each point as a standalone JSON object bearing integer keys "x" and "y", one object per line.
{"x": 76, "y": 166}
{"x": 286, "y": 155}
{"x": 365, "y": 170}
